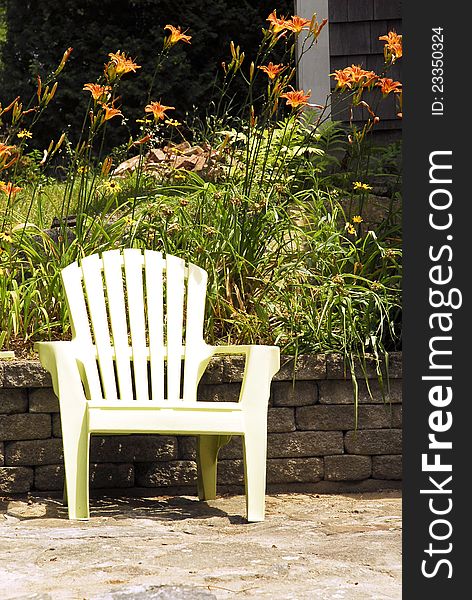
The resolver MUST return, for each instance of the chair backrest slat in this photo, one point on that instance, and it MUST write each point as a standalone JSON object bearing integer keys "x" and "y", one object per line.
{"x": 154, "y": 265}
{"x": 175, "y": 271}
{"x": 72, "y": 281}
{"x": 127, "y": 313}
{"x": 196, "y": 294}
{"x": 112, "y": 269}
{"x": 93, "y": 281}
{"x": 133, "y": 263}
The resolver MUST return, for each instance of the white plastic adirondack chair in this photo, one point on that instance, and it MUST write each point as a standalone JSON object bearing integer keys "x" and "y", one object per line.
{"x": 134, "y": 363}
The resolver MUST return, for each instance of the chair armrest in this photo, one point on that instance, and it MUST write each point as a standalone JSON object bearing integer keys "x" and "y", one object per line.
{"x": 60, "y": 359}
{"x": 262, "y": 363}
{"x": 233, "y": 349}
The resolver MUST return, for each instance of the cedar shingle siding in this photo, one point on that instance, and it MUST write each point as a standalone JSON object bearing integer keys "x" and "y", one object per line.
{"x": 354, "y": 29}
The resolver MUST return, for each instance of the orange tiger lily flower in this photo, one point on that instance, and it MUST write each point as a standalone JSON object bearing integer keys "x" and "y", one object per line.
{"x": 272, "y": 70}
{"x": 7, "y": 150}
{"x": 98, "y": 91}
{"x": 297, "y": 24}
{"x": 393, "y": 48}
{"x": 354, "y": 76}
{"x": 277, "y": 25}
{"x": 158, "y": 110}
{"x": 360, "y": 76}
{"x": 343, "y": 78}
{"x": 111, "y": 112}
{"x": 296, "y": 98}
{"x": 388, "y": 85}
{"x": 119, "y": 65}
{"x": 9, "y": 189}
{"x": 176, "y": 35}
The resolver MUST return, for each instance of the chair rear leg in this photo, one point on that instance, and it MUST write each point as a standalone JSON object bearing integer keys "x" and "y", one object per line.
{"x": 207, "y": 456}
{"x": 255, "y": 455}
{"x": 76, "y": 461}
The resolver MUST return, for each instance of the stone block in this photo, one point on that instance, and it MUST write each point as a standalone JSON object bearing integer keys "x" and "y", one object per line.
{"x": 233, "y": 368}
{"x": 225, "y": 392}
{"x": 234, "y": 448}
{"x": 172, "y": 473}
{"x": 335, "y": 391}
{"x": 25, "y": 373}
{"x": 388, "y": 416}
{"x": 49, "y": 478}
{"x": 43, "y": 400}
{"x": 294, "y": 470}
{"x": 25, "y": 427}
{"x": 306, "y": 367}
{"x": 187, "y": 447}
{"x": 338, "y": 417}
{"x": 2, "y": 454}
{"x": 280, "y": 420}
{"x": 15, "y": 480}
{"x": 130, "y": 448}
{"x": 230, "y": 472}
{"x": 336, "y": 368}
{"x": 13, "y": 401}
{"x": 373, "y": 441}
{"x": 153, "y": 447}
{"x": 304, "y": 443}
{"x": 56, "y": 425}
{"x": 214, "y": 371}
{"x": 106, "y": 475}
{"x": 387, "y": 467}
{"x": 325, "y": 418}
{"x": 34, "y": 452}
{"x": 303, "y": 393}
{"x": 347, "y": 467}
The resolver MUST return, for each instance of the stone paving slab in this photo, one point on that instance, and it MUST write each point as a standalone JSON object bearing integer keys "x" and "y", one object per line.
{"x": 311, "y": 546}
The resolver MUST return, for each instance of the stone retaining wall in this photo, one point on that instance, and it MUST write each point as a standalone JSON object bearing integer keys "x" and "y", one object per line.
{"x": 313, "y": 443}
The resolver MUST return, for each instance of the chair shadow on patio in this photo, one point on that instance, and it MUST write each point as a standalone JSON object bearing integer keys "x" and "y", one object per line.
{"x": 172, "y": 508}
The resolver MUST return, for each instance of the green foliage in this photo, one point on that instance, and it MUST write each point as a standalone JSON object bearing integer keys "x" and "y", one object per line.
{"x": 282, "y": 221}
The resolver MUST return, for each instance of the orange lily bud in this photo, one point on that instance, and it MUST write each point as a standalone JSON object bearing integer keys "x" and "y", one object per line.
{"x": 59, "y": 143}
{"x": 62, "y": 64}
{"x": 40, "y": 87}
{"x": 106, "y": 166}
{"x": 52, "y": 93}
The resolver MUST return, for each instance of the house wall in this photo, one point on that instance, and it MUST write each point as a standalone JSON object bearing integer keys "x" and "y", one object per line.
{"x": 313, "y": 444}
{"x": 354, "y": 29}
{"x": 351, "y": 37}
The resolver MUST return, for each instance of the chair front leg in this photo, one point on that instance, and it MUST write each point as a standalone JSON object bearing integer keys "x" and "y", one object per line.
{"x": 76, "y": 441}
{"x": 255, "y": 456}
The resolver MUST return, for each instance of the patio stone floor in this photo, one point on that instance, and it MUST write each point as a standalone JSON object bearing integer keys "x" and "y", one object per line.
{"x": 176, "y": 548}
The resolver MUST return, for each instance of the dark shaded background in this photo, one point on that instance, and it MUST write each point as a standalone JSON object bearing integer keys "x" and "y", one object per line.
{"x": 38, "y": 32}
